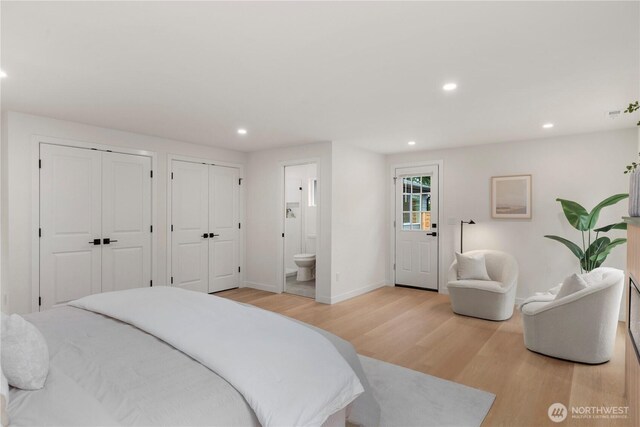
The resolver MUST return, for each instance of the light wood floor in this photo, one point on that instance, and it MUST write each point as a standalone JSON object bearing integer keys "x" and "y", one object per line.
{"x": 418, "y": 330}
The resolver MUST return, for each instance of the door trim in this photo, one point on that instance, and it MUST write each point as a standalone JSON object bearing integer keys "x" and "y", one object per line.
{"x": 241, "y": 202}
{"x": 442, "y": 230}
{"x": 282, "y": 277}
{"x": 36, "y": 141}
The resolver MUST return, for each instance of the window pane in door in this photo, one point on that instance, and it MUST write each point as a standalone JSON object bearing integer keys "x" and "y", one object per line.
{"x": 426, "y": 220}
{"x": 415, "y": 203}
{"x": 426, "y": 184}
{"x": 416, "y": 184}
{"x": 406, "y": 203}
{"x": 415, "y": 219}
{"x": 406, "y": 220}
{"x": 425, "y": 204}
{"x": 406, "y": 185}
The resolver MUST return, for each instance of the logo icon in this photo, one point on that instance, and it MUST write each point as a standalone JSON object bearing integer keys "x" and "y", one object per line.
{"x": 557, "y": 412}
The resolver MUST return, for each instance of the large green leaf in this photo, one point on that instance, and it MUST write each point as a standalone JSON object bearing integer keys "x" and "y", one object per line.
{"x": 591, "y": 254}
{"x": 616, "y": 226}
{"x": 604, "y": 253}
{"x": 577, "y": 250}
{"x": 596, "y": 247}
{"x": 595, "y": 212}
{"x": 576, "y": 214}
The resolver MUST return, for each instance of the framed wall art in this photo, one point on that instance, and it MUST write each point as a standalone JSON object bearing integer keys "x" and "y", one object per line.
{"x": 511, "y": 197}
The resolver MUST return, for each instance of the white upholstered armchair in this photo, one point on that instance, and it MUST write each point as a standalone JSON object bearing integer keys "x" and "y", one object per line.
{"x": 492, "y": 300}
{"x": 580, "y": 326}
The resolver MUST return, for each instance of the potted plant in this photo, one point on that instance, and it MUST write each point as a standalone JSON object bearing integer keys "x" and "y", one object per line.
{"x": 592, "y": 253}
{"x": 634, "y": 174}
{"x": 634, "y": 188}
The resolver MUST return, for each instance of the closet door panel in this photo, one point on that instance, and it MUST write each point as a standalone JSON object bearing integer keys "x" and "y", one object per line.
{"x": 70, "y": 212}
{"x": 126, "y": 221}
{"x": 224, "y": 222}
{"x": 190, "y": 221}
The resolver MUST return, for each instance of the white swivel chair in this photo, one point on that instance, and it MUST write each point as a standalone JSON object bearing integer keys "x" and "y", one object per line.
{"x": 491, "y": 300}
{"x": 581, "y": 326}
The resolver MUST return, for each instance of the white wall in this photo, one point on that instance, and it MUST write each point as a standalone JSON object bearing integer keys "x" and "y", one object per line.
{"x": 265, "y": 208}
{"x": 20, "y": 128}
{"x": 585, "y": 168}
{"x": 354, "y": 200}
{"x": 3, "y": 213}
{"x": 359, "y": 235}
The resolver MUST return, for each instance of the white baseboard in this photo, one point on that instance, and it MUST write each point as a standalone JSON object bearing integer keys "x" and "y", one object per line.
{"x": 356, "y": 292}
{"x": 262, "y": 287}
{"x": 323, "y": 299}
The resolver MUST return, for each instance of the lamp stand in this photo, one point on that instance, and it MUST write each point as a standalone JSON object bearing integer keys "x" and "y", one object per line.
{"x": 462, "y": 223}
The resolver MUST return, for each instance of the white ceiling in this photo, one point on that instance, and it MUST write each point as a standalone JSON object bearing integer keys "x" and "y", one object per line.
{"x": 365, "y": 73}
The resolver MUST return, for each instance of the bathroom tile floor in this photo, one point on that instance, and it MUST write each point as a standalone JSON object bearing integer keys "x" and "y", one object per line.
{"x": 304, "y": 289}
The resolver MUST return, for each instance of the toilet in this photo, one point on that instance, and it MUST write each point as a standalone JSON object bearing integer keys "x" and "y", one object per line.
{"x": 306, "y": 266}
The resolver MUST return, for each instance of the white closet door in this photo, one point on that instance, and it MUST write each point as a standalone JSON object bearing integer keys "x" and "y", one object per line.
{"x": 70, "y": 212}
{"x": 126, "y": 221}
{"x": 224, "y": 220}
{"x": 190, "y": 222}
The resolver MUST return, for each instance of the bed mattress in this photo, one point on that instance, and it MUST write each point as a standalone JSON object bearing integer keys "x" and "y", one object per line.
{"x": 105, "y": 372}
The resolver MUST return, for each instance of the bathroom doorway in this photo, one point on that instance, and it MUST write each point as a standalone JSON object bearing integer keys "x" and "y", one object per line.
{"x": 300, "y": 229}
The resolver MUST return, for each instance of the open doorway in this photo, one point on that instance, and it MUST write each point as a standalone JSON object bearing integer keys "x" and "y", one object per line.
{"x": 300, "y": 226}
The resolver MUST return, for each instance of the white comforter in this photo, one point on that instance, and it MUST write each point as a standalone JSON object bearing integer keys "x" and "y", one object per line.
{"x": 290, "y": 375}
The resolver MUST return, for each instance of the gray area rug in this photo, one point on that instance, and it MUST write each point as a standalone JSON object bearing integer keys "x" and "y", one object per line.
{"x": 410, "y": 398}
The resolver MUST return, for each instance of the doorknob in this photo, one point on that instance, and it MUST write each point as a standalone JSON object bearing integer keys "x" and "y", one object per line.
{"x": 433, "y": 233}
{"x": 205, "y": 235}
{"x": 107, "y": 241}
{"x": 213, "y": 235}
{"x": 95, "y": 242}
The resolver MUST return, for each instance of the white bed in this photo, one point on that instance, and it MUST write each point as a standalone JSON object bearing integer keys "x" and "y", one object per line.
{"x": 106, "y": 372}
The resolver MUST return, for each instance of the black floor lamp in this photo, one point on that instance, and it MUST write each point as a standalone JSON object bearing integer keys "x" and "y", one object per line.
{"x": 462, "y": 223}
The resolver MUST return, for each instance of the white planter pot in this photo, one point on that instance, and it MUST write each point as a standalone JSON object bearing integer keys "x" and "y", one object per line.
{"x": 634, "y": 193}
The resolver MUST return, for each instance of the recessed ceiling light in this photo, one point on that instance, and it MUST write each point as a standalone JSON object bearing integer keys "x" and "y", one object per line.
{"x": 547, "y": 125}
{"x": 2, "y": 74}
{"x": 449, "y": 87}
{"x": 242, "y": 131}
{"x": 411, "y": 143}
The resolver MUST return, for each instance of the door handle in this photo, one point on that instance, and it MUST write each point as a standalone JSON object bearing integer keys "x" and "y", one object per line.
{"x": 433, "y": 233}
{"x": 107, "y": 241}
{"x": 213, "y": 235}
{"x": 205, "y": 235}
{"x": 95, "y": 242}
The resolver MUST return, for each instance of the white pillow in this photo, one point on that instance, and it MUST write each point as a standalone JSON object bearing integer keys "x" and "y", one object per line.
{"x": 555, "y": 289}
{"x": 571, "y": 285}
{"x": 25, "y": 356}
{"x": 472, "y": 267}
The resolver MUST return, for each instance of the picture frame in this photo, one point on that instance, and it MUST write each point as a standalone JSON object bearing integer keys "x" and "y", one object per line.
{"x": 511, "y": 197}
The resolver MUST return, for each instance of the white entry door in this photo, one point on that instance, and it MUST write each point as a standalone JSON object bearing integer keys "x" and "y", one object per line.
{"x": 95, "y": 219}
{"x": 190, "y": 225}
{"x": 126, "y": 221}
{"x": 224, "y": 224}
{"x": 205, "y": 236}
{"x": 417, "y": 227}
